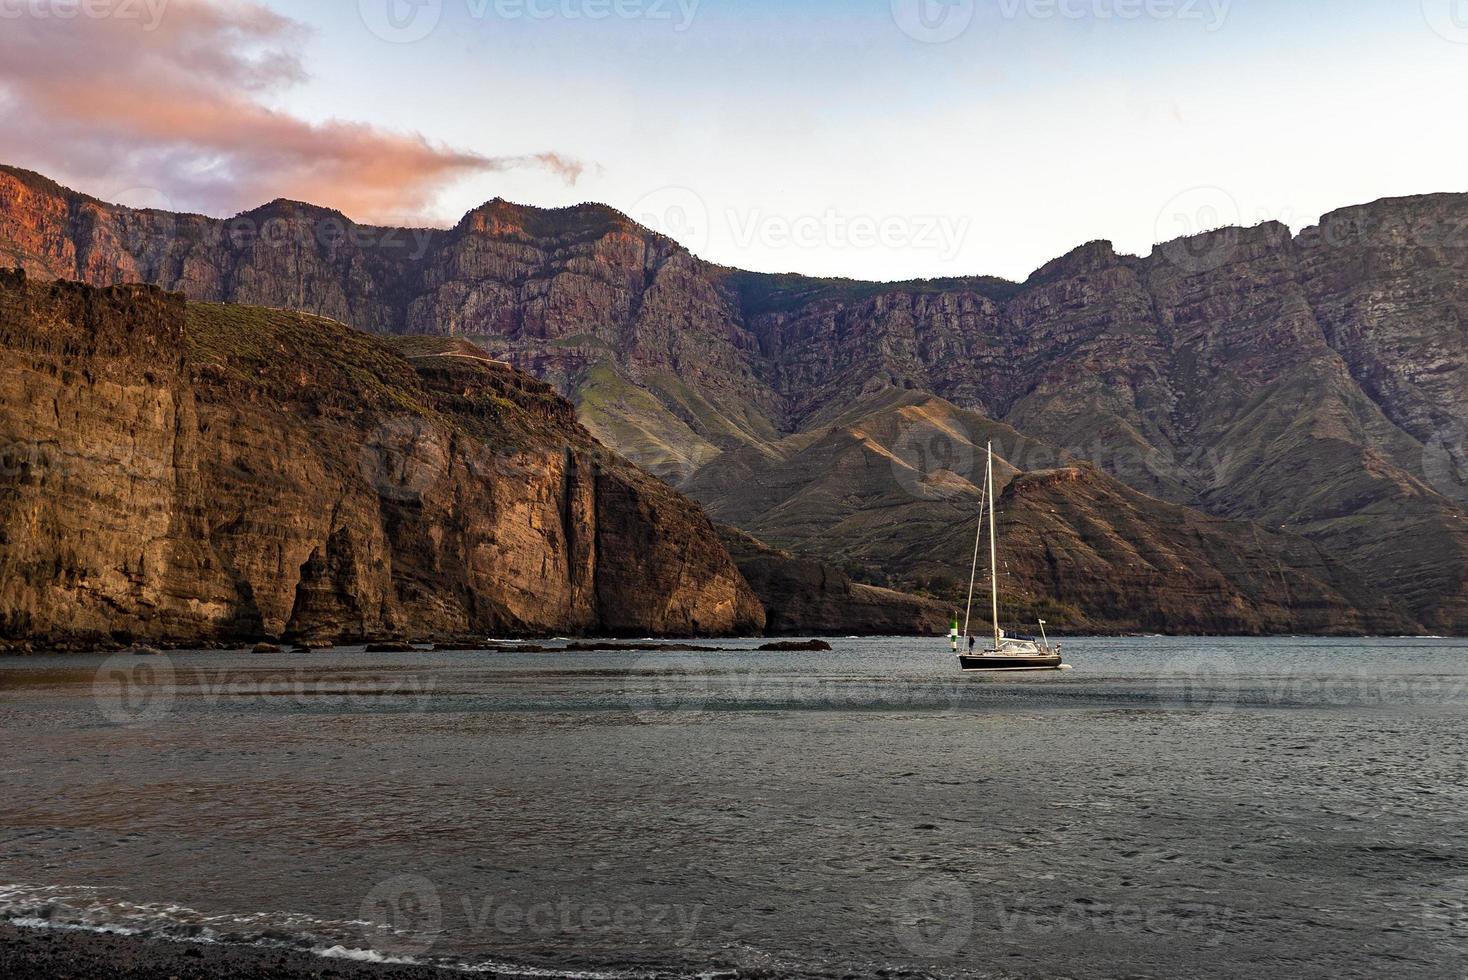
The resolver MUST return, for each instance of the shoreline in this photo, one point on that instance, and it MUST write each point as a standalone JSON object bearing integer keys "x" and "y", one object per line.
{"x": 536, "y": 644}
{"x": 50, "y": 953}
{"x": 56, "y": 953}
{"x": 494, "y": 646}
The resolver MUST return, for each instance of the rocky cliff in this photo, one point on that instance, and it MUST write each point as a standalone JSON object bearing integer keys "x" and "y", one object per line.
{"x": 803, "y": 596}
{"x": 178, "y": 472}
{"x": 1314, "y": 384}
{"x": 1079, "y": 548}
{"x": 562, "y": 293}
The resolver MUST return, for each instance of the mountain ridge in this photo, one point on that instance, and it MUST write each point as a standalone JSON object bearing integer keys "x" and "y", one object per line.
{"x": 1313, "y": 382}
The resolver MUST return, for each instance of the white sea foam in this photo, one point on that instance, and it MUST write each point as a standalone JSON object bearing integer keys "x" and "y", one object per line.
{"x": 364, "y": 956}
{"x": 85, "y": 909}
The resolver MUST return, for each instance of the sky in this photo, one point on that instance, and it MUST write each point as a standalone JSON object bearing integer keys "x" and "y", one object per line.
{"x": 875, "y": 139}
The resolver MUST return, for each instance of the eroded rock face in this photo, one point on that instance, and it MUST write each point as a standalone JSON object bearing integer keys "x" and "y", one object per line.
{"x": 180, "y": 473}
{"x": 1316, "y": 383}
{"x": 802, "y": 595}
{"x": 1078, "y": 548}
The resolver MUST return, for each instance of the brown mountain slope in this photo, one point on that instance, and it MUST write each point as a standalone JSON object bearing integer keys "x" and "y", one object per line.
{"x": 562, "y": 293}
{"x": 1315, "y": 382}
{"x": 804, "y": 596}
{"x": 895, "y": 486}
{"x": 206, "y": 473}
{"x": 1082, "y": 538}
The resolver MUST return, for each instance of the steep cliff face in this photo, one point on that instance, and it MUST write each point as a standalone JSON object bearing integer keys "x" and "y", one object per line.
{"x": 178, "y": 472}
{"x": 561, "y": 293}
{"x": 1316, "y": 383}
{"x": 804, "y": 596}
{"x": 1313, "y": 382}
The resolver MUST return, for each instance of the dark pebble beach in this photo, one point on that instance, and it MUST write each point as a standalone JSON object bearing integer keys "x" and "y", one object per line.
{"x": 49, "y": 954}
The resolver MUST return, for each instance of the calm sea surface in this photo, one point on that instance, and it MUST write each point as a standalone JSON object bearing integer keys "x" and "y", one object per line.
{"x": 1170, "y": 808}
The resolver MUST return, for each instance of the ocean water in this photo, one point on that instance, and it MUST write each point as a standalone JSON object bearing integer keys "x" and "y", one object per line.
{"x": 1170, "y": 808}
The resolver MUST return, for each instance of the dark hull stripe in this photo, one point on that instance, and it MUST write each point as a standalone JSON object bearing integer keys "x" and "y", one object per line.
{"x": 1008, "y": 663}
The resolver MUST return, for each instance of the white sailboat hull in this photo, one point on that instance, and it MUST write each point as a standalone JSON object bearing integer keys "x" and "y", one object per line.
{"x": 1014, "y": 655}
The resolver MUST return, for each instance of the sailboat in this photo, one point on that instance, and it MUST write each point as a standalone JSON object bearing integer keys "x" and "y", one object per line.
{"x": 1009, "y": 651}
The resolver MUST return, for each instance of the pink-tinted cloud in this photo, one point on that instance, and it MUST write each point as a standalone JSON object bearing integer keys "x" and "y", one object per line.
{"x": 171, "y": 96}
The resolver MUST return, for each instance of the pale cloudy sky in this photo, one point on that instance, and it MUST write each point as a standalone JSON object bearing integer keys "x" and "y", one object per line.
{"x": 882, "y": 139}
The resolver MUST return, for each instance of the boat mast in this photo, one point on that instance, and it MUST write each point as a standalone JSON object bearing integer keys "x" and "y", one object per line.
{"x": 973, "y": 574}
{"x": 993, "y": 550}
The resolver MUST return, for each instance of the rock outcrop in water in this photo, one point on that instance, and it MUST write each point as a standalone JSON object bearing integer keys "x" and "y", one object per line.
{"x": 178, "y": 472}
{"x": 1313, "y": 383}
